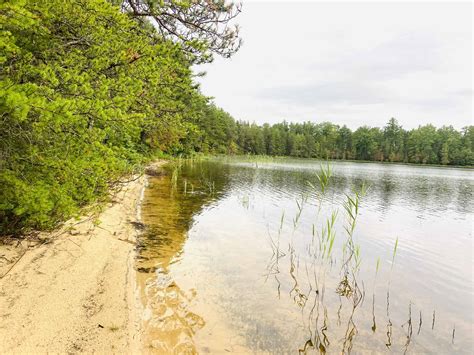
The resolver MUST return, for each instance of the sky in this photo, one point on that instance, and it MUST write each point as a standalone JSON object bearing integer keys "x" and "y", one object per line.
{"x": 352, "y": 63}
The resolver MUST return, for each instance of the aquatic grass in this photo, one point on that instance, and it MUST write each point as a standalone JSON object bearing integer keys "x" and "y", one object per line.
{"x": 328, "y": 236}
{"x": 322, "y": 259}
{"x": 377, "y": 266}
{"x": 409, "y": 330}
{"x": 282, "y": 219}
{"x": 175, "y": 166}
{"x": 419, "y": 324}
{"x": 211, "y": 186}
{"x": 388, "y": 344}
{"x": 277, "y": 254}
{"x": 351, "y": 251}
{"x": 331, "y": 237}
{"x": 351, "y": 261}
{"x": 323, "y": 175}
{"x": 321, "y": 249}
{"x": 174, "y": 179}
{"x": 208, "y": 183}
{"x": 394, "y": 252}
{"x": 299, "y": 205}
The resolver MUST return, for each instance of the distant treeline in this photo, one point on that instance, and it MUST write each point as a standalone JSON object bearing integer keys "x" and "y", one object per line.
{"x": 423, "y": 145}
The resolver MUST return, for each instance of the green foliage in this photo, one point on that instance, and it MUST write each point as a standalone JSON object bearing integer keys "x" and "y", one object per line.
{"x": 423, "y": 145}
{"x": 215, "y": 130}
{"x": 86, "y": 95}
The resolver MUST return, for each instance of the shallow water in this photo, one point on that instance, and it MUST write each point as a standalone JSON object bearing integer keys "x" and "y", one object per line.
{"x": 230, "y": 260}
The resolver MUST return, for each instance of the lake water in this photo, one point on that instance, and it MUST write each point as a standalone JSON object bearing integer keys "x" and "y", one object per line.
{"x": 236, "y": 257}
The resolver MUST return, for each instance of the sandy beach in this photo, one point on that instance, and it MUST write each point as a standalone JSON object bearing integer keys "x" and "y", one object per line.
{"x": 75, "y": 290}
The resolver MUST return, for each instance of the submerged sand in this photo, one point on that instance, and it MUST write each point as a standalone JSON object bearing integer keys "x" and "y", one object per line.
{"x": 75, "y": 291}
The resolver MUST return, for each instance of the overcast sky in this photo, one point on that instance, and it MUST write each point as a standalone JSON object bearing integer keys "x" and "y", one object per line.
{"x": 349, "y": 63}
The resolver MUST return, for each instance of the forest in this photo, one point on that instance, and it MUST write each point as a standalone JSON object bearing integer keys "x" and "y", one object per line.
{"x": 391, "y": 143}
{"x": 90, "y": 90}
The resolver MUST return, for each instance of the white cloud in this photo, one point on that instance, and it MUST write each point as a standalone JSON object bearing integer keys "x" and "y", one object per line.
{"x": 350, "y": 63}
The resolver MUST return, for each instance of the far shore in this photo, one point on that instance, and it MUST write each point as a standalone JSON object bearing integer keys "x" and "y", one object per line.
{"x": 467, "y": 167}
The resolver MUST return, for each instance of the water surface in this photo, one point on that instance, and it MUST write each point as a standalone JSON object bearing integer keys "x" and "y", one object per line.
{"x": 231, "y": 259}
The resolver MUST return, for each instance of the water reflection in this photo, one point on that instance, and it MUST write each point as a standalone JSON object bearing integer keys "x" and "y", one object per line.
{"x": 246, "y": 259}
{"x": 168, "y": 211}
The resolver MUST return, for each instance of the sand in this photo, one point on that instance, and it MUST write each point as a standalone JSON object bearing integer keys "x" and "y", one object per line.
{"x": 75, "y": 290}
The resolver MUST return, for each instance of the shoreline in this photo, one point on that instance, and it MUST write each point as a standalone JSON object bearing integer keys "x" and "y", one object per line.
{"x": 75, "y": 290}
{"x": 282, "y": 157}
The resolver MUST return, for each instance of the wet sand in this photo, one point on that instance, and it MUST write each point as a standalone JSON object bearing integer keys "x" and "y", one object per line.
{"x": 75, "y": 290}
